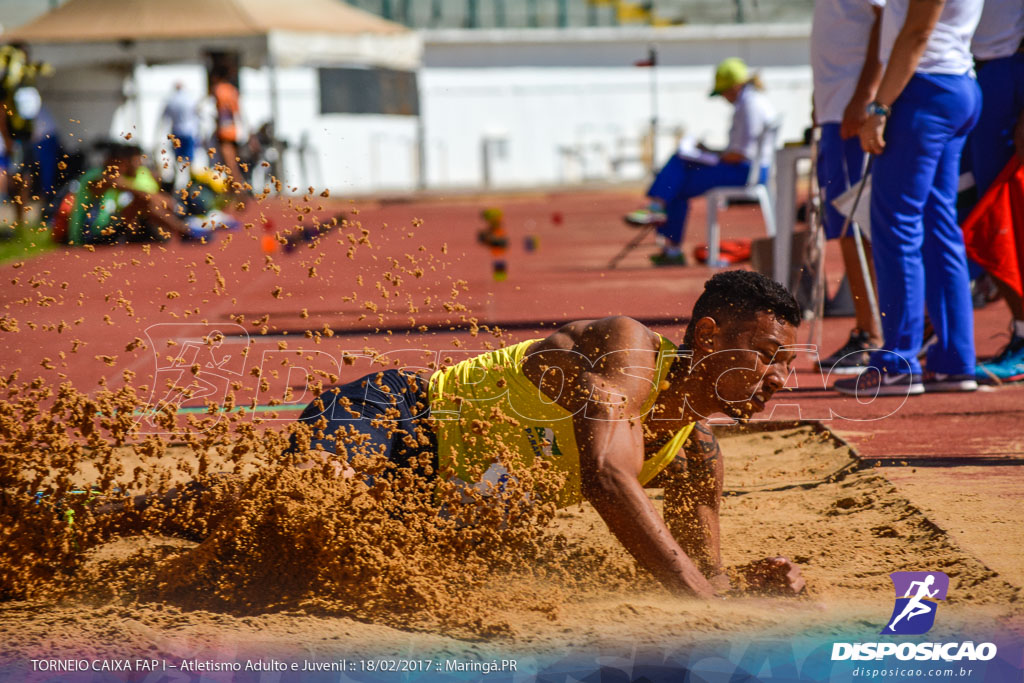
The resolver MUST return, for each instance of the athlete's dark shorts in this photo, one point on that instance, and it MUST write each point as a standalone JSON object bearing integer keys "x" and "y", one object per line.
{"x": 392, "y": 421}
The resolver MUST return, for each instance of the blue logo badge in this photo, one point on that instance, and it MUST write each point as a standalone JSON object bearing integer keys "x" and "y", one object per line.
{"x": 917, "y": 596}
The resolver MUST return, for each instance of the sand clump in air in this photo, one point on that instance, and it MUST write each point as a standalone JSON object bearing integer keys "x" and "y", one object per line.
{"x": 389, "y": 545}
{"x": 346, "y": 567}
{"x": 393, "y": 546}
{"x": 391, "y": 561}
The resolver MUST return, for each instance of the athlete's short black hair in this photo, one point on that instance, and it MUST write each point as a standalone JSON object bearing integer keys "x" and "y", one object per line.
{"x": 742, "y": 293}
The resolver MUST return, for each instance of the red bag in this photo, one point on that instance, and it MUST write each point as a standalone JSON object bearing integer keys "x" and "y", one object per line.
{"x": 59, "y": 232}
{"x": 994, "y": 230}
{"x": 730, "y": 251}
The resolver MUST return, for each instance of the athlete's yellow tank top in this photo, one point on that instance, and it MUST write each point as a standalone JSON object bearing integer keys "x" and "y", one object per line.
{"x": 488, "y": 415}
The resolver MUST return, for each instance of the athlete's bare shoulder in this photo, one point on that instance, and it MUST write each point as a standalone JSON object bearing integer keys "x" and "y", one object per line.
{"x": 609, "y": 355}
{"x": 599, "y": 337}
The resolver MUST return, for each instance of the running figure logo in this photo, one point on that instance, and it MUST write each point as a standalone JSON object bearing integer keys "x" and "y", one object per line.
{"x": 917, "y": 596}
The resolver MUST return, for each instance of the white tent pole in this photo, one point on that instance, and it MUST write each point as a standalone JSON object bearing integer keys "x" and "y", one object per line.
{"x": 138, "y": 64}
{"x": 421, "y": 141}
{"x": 274, "y": 110}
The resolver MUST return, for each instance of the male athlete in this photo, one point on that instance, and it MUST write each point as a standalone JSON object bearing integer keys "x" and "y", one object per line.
{"x": 613, "y": 407}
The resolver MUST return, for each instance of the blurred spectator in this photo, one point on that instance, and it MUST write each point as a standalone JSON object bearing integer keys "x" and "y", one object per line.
{"x": 182, "y": 112}
{"x": 998, "y": 48}
{"x": 120, "y": 201}
{"x": 45, "y": 148}
{"x": 225, "y": 96}
{"x": 926, "y": 104}
{"x": 5, "y": 164}
{"x": 691, "y": 173}
{"x": 21, "y": 104}
{"x": 844, "y": 60}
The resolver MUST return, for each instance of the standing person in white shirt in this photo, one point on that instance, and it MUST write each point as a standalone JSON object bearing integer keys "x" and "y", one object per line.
{"x": 998, "y": 48}
{"x": 681, "y": 178}
{"x": 182, "y": 111}
{"x": 926, "y": 104}
{"x": 844, "y": 61}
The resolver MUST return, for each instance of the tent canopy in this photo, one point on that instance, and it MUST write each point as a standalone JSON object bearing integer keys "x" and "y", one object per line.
{"x": 87, "y": 21}
{"x": 293, "y": 31}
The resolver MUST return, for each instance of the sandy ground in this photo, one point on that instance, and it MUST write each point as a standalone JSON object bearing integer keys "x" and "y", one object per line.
{"x": 978, "y": 507}
{"x": 789, "y": 492}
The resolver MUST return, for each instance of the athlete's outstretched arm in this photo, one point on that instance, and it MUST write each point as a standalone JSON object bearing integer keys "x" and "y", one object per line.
{"x": 693, "y": 494}
{"x": 616, "y": 373}
{"x": 611, "y": 455}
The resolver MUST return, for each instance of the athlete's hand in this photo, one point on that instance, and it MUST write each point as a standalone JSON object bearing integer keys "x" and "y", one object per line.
{"x": 721, "y": 584}
{"x": 853, "y": 117}
{"x": 772, "y": 575}
{"x": 871, "y": 134}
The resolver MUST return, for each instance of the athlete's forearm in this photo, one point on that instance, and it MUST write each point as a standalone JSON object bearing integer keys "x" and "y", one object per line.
{"x": 908, "y": 48}
{"x": 712, "y": 539}
{"x": 692, "y": 497}
{"x": 870, "y": 76}
{"x": 695, "y": 527}
{"x": 629, "y": 514}
{"x": 871, "y": 70}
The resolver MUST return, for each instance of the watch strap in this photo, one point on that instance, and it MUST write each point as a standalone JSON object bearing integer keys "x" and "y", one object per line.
{"x": 878, "y": 109}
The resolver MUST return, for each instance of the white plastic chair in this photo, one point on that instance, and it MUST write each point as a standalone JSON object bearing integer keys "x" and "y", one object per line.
{"x": 754, "y": 189}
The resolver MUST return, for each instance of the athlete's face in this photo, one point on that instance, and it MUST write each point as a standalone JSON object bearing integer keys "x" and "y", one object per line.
{"x": 750, "y": 360}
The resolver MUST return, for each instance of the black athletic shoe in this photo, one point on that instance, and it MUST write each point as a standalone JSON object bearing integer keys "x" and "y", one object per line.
{"x": 874, "y": 383}
{"x": 941, "y": 382}
{"x": 852, "y": 359}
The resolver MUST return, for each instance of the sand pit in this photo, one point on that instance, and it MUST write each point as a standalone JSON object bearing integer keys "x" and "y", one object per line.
{"x": 584, "y": 593}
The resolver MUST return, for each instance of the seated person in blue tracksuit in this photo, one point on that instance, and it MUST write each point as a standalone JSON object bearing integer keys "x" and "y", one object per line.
{"x": 681, "y": 178}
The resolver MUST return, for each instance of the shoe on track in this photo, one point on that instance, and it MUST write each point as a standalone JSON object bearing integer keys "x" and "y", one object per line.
{"x": 1007, "y": 366}
{"x": 873, "y": 382}
{"x": 852, "y": 358}
{"x": 644, "y": 217}
{"x": 940, "y": 381}
{"x": 663, "y": 259}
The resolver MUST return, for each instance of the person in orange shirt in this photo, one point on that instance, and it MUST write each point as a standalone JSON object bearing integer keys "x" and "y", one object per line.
{"x": 225, "y": 95}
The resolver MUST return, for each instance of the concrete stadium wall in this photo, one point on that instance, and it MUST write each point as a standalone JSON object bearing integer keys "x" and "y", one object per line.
{"x": 550, "y": 106}
{"x": 570, "y": 106}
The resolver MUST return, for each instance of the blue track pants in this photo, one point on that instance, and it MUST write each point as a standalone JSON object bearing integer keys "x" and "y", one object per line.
{"x": 680, "y": 180}
{"x": 840, "y": 166}
{"x": 991, "y": 141}
{"x": 918, "y": 245}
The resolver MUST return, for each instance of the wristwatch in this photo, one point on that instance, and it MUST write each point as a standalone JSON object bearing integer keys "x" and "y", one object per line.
{"x": 878, "y": 109}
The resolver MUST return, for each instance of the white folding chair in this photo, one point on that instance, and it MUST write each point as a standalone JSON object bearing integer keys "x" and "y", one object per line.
{"x": 754, "y": 189}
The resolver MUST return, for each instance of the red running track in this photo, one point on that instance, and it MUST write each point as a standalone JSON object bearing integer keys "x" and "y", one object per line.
{"x": 394, "y": 292}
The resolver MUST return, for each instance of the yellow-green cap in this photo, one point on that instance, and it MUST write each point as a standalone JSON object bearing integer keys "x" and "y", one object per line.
{"x": 729, "y": 73}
